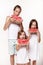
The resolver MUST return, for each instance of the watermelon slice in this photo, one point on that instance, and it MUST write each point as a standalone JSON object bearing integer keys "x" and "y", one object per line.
{"x": 16, "y": 17}
{"x": 23, "y": 41}
{"x": 33, "y": 30}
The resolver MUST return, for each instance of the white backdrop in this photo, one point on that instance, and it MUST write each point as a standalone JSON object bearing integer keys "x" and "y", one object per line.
{"x": 30, "y": 9}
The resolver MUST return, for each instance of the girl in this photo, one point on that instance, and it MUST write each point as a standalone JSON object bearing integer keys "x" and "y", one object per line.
{"x": 34, "y": 40}
{"x": 13, "y": 25}
{"x": 22, "y": 49}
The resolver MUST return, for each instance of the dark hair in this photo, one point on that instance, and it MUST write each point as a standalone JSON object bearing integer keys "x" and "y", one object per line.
{"x": 19, "y": 33}
{"x": 17, "y": 6}
{"x": 33, "y": 20}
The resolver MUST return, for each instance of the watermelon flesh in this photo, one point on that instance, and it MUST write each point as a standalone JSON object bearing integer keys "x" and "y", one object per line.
{"x": 16, "y": 17}
{"x": 32, "y": 30}
{"x": 23, "y": 41}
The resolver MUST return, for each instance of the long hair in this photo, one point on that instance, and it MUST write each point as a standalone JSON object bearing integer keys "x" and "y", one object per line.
{"x": 17, "y": 6}
{"x": 20, "y": 32}
{"x": 33, "y": 20}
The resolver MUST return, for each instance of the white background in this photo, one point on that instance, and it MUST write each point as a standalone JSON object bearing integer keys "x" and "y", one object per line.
{"x": 30, "y": 9}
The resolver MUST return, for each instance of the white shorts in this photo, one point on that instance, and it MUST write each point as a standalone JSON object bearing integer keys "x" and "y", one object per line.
{"x": 22, "y": 56}
{"x": 12, "y": 46}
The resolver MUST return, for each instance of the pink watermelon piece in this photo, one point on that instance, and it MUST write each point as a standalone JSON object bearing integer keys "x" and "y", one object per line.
{"x": 23, "y": 41}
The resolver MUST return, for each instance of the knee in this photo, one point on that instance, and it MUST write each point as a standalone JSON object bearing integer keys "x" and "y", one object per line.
{"x": 34, "y": 61}
{"x": 11, "y": 55}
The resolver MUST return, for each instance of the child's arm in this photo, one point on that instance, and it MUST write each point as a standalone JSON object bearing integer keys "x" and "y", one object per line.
{"x": 29, "y": 34}
{"x": 21, "y": 26}
{"x": 10, "y": 20}
{"x": 7, "y": 23}
{"x": 17, "y": 22}
{"x": 17, "y": 47}
{"x": 27, "y": 47}
{"x": 39, "y": 38}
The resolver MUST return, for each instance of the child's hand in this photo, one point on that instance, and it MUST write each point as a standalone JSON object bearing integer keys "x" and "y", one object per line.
{"x": 33, "y": 31}
{"x": 16, "y": 18}
{"x": 18, "y": 47}
{"x": 12, "y": 20}
{"x": 19, "y": 20}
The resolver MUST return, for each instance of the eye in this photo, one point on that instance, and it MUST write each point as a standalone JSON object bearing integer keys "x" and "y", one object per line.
{"x": 16, "y": 11}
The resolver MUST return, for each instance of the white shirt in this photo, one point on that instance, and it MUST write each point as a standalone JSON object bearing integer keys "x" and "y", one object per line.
{"x": 13, "y": 31}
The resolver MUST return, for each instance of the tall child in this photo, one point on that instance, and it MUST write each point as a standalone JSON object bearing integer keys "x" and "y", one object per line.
{"x": 34, "y": 40}
{"x": 14, "y": 25}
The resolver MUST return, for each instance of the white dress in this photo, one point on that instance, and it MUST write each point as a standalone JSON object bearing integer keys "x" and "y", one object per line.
{"x": 33, "y": 47}
{"x": 22, "y": 56}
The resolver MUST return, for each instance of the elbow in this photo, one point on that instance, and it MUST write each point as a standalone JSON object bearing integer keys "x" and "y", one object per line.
{"x": 39, "y": 40}
{"x": 4, "y": 28}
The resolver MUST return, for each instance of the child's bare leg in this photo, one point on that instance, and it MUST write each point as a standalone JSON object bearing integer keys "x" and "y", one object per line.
{"x": 23, "y": 64}
{"x": 12, "y": 59}
{"x": 29, "y": 61}
{"x": 34, "y": 62}
{"x": 20, "y": 64}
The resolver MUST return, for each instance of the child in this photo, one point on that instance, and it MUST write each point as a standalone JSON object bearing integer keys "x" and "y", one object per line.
{"x": 34, "y": 40}
{"x": 13, "y": 25}
{"x": 22, "y": 49}
{"x": 22, "y": 41}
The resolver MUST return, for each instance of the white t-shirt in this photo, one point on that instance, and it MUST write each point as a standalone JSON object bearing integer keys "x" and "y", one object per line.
{"x": 13, "y": 31}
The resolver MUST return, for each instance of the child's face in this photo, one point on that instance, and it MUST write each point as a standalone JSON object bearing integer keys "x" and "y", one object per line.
{"x": 17, "y": 11}
{"x": 22, "y": 36}
{"x": 33, "y": 25}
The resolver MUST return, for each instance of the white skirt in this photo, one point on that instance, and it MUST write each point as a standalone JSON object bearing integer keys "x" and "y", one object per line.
{"x": 22, "y": 56}
{"x": 33, "y": 48}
